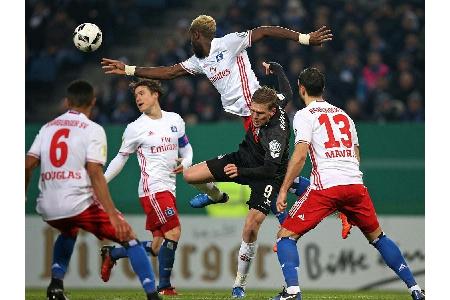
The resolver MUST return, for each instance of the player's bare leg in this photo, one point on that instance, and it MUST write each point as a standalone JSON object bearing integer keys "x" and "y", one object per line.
{"x": 200, "y": 176}
{"x": 247, "y": 250}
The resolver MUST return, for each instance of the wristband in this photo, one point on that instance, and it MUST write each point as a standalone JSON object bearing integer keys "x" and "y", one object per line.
{"x": 129, "y": 70}
{"x": 303, "y": 39}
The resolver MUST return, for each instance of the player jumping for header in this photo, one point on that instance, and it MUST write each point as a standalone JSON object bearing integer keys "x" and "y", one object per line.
{"x": 226, "y": 64}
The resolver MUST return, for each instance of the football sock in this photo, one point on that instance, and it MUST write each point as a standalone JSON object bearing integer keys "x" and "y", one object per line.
{"x": 281, "y": 216}
{"x": 246, "y": 254}
{"x": 121, "y": 252}
{"x": 141, "y": 265}
{"x": 210, "y": 189}
{"x": 294, "y": 289}
{"x": 394, "y": 259}
{"x": 166, "y": 257}
{"x": 289, "y": 260}
{"x": 299, "y": 186}
{"x": 62, "y": 252}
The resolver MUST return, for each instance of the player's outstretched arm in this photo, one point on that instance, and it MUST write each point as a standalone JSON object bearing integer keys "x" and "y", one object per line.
{"x": 115, "y": 166}
{"x": 111, "y": 66}
{"x": 284, "y": 87}
{"x": 315, "y": 38}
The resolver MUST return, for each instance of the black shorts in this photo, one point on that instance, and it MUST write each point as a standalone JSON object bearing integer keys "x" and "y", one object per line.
{"x": 264, "y": 191}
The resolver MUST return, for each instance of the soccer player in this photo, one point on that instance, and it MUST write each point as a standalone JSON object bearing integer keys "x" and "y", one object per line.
{"x": 330, "y": 137}
{"x": 71, "y": 150}
{"x": 260, "y": 162}
{"x": 157, "y": 137}
{"x": 226, "y": 64}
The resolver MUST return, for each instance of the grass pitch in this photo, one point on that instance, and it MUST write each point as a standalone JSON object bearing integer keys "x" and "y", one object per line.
{"x": 114, "y": 294}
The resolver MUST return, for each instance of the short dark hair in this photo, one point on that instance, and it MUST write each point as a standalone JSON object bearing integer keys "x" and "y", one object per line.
{"x": 80, "y": 93}
{"x": 265, "y": 95}
{"x": 313, "y": 80}
{"x": 152, "y": 85}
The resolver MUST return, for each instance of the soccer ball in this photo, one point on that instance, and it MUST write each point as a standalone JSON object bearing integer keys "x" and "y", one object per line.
{"x": 87, "y": 37}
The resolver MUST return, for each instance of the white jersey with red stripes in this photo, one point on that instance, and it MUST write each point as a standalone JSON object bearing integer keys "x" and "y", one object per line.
{"x": 332, "y": 137}
{"x": 64, "y": 145}
{"x": 228, "y": 68}
{"x": 155, "y": 142}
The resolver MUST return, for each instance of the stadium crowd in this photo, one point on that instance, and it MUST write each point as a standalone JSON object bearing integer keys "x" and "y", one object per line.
{"x": 375, "y": 64}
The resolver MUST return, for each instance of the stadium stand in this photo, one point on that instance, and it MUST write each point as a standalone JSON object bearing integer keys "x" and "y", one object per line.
{"x": 375, "y": 65}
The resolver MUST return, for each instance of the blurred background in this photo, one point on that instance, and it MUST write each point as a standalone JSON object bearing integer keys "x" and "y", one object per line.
{"x": 374, "y": 69}
{"x": 374, "y": 66}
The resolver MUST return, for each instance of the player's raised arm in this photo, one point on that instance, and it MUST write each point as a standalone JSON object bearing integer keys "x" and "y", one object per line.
{"x": 284, "y": 87}
{"x": 111, "y": 66}
{"x": 315, "y": 38}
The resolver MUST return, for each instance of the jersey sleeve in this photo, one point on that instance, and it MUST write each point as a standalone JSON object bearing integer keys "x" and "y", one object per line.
{"x": 303, "y": 128}
{"x": 354, "y": 134}
{"x": 274, "y": 145}
{"x": 237, "y": 42}
{"x": 97, "y": 146}
{"x": 130, "y": 141}
{"x": 182, "y": 137}
{"x": 192, "y": 66}
{"x": 35, "y": 149}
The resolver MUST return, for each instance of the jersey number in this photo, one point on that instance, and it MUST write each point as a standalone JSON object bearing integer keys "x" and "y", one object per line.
{"x": 268, "y": 191}
{"x": 345, "y": 130}
{"x": 55, "y": 144}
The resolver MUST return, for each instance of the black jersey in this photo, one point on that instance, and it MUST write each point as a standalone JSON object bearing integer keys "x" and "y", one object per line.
{"x": 266, "y": 146}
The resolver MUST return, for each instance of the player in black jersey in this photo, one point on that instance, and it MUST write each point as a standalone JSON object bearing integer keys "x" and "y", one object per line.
{"x": 260, "y": 162}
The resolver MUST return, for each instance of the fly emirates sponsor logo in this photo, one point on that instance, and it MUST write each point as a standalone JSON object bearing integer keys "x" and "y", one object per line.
{"x": 60, "y": 175}
{"x": 166, "y": 145}
{"x": 220, "y": 75}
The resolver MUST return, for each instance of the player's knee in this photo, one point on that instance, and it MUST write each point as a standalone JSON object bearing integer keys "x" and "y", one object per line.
{"x": 250, "y": 233}
{"x": 188, "y": 175}
{"x": 173, "y": 234}
{"x": 284, "y": 233}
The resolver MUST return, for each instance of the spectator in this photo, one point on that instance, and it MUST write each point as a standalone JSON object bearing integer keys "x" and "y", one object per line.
{"x": 377, "y": 49}
{"x": 414, "y": 108}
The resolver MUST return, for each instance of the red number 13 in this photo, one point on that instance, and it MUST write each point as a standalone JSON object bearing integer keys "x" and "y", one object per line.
{"x": 345, "y": 130}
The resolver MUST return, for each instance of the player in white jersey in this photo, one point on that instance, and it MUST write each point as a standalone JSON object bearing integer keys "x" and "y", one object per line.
{"x": 330, "y": 137}
{"x": 163, "y": 150}
{"x": 71, "y": 150}
{"x": 225, "y": 62}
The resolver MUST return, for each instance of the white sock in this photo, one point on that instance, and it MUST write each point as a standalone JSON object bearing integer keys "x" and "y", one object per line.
{"x": 415, "y": 288}
{"x": 210, "y": 189}
{"x": 293, "y": 289}
{"x": 246, "y": 254}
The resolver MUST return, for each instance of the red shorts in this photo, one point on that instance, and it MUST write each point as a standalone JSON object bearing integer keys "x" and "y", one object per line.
{"x": 161, "y": 211}
{"x": 93, "y": 219}
{"x": 314, "y": 205}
